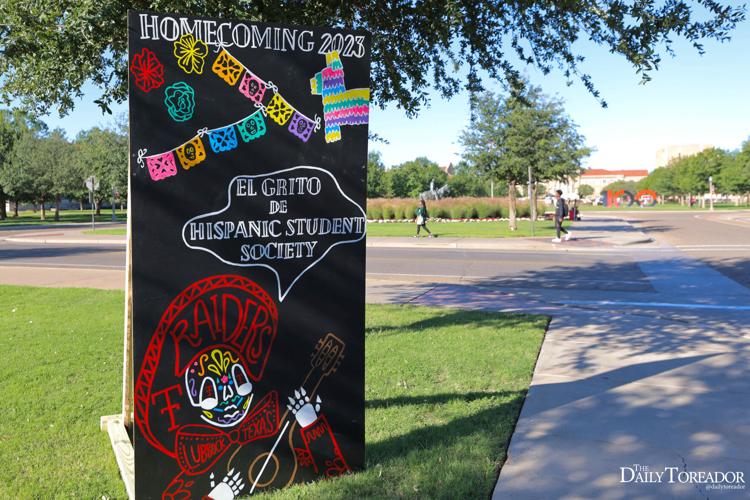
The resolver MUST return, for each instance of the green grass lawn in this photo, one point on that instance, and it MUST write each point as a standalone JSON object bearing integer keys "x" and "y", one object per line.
{"x": 62, "y": 370}
{"x": 443, "y": 390}
{"x": 110, "y": 232}
{"x": 66, "y": 217}
{"x": 479, "y": 229}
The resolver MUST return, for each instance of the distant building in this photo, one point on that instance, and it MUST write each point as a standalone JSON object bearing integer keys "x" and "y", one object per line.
{"x": 449, "y": 170}
{"x": 669, "y": 153}
{"x": 597, "y": 178}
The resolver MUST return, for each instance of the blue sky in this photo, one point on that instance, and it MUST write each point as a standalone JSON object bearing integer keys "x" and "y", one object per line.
{"x": 691, "y": 99}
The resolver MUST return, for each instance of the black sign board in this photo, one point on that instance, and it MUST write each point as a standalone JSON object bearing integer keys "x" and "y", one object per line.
{"x": 248, "y": 166}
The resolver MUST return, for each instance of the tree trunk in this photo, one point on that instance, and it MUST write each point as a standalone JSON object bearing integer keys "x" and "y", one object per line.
{"x": 80, "y": 204}
{"x": 3, "y": 199}
{"x": 512, "y": 225}
{"x": 15, "y": 208}
{"x": 41, "y": 206}
{"x": 532, "y": 202}
{"x": 57, "y": 208}
{"x": 703, "y": 202}
{"x": 98, "y": 204}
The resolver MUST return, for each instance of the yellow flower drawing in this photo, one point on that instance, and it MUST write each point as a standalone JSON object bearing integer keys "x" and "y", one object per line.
{"x": 190, "y": 53}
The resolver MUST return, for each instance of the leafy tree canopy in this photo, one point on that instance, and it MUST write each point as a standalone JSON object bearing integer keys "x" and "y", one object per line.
{"x": 630, "y": 186}
{"x": 734, "y": 177}
{"x": 411, "y": 178}
{"x": 468, "y": 180}
{"x": 692, "y": 172}
{"x": 511, "y": 133}
{"x": 661, "y": 180}
{"x": 50, "y": 48}
{"x": 377, "y": 185}
{"x": 585, "y": 190}
{"x": 104, "y": 154}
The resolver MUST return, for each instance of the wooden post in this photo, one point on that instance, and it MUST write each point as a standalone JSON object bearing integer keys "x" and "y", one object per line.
{"x": 117, "y": 426}
{"x": 127, "y": 361}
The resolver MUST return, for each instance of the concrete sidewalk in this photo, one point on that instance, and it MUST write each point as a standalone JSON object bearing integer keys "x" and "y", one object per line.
{"x": 653, "y": 378}
{"x": 66, "y": 234}
{"x": 611, "y": 391}
{"x": 61, "y": 277}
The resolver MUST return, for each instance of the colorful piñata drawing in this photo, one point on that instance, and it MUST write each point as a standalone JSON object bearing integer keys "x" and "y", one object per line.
{"x": 340, "y": 106}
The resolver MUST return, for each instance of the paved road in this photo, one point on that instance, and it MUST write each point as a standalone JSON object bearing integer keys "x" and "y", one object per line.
{"x": 603, "y": 271}
{"x": 612, "y": 270}
{"x": 720, "y": 239}
{"x": 63, "y": 256}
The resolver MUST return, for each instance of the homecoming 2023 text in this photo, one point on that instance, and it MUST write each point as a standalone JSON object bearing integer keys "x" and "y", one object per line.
{"x": 242, "y": 35}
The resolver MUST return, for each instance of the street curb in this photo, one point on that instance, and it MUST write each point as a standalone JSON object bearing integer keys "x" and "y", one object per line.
{"x": 64, "y": 241}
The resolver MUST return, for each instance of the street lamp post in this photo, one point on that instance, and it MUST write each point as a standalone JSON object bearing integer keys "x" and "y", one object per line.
{"x": 711, "y": 192}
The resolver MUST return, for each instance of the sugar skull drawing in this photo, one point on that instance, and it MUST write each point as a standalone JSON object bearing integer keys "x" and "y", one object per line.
{"x": 195, "y": 396}
{"x": 217, "y": 384}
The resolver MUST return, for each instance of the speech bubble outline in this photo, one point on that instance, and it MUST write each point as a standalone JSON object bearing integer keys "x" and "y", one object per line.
{"x": 283, "y": 295}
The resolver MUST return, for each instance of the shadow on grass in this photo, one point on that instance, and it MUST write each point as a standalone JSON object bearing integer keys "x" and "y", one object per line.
{"x": 449, "y": 446}
{"x": 435, "y": 399}
{"x": 456, "y": 317}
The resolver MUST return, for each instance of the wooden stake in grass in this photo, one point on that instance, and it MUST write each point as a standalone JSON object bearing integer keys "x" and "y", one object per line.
{"x": 117, "y": 426}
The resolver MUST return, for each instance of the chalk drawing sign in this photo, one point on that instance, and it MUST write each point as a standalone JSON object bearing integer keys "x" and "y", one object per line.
{"x": 248, "y": 253}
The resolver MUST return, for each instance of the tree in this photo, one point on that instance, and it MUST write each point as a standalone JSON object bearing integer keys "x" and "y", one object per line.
{"x": 411, "y": 178}
{"x": 12, "y": 126}
{"x": 376, "y": 178}
{"x": 8, "y": 134}
{"x": 49, "y": 49}
{"x": 585, "y": 190}
{"x": 524, "y": 129}
{"x": 39, "y": 162}
{"x": 692, "y": 172}
{"x": 468, "y": 180}
{"x": 103, "y": 153}
{"x": 661, "y": 181}
{"x": 630, "y": 186}
{"x": 65, "y": 174}
{"x": 734, "y": 177}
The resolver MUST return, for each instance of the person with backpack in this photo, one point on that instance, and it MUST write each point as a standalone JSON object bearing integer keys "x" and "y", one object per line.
{"x": 561, "y": 211}
{"x": 421, "y": 218}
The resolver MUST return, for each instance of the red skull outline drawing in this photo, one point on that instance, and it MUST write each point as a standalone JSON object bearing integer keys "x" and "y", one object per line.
{"x": 194, "y": 398}
{"x": 233, "y": 323}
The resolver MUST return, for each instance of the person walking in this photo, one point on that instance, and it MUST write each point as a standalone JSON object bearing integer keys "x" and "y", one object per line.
{"x": 421, "y": 218}
{"x": 561, "y": 211}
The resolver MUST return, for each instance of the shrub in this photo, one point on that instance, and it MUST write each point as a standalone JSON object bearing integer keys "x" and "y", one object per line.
{"x": 374, "y": 212}
{"x": 458, "y": 211}
{"x": 523, "y": 209}
{"x": 484, "y": 209}
{"x": 389, "y": 212}
{"x": 447, "y": 208}
{"x": 410, "y": 209}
